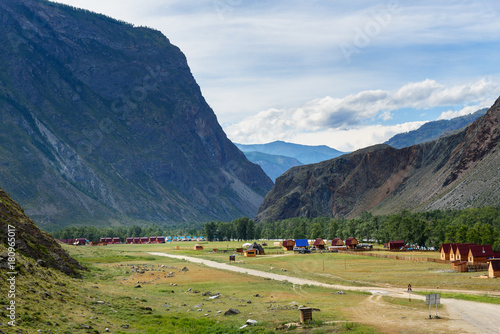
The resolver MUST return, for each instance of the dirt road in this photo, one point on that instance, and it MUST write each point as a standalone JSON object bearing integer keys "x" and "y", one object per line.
{"x": 460, "y": 316}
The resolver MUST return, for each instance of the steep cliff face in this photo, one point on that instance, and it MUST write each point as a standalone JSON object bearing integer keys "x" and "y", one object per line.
{"x": 102, "y": 122}
{"x": 456, "y": 172}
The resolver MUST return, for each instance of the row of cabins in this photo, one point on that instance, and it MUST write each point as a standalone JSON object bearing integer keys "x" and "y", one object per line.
{"x": 471, "y": 253}
{"x": 145, "y": 240}
{"x": 464, "y": 255}
{"x": 337, "y": 243}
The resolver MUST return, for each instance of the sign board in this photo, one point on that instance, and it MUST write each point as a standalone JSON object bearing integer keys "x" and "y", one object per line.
{"x": 432, "y": 299}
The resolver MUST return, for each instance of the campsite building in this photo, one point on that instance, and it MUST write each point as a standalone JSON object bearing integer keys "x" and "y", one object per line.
{"x": 445, "y": 251}
{"x": 319, "y": 243}
{"x": 351, "y": 243}
{"x": 462, "y": 252}
{"x": 198, "y": 247}
{"x": 460, "y": 266}
{"x": 250, "y": 252}
{"x": 479, "y": 254}
{"x": 80, "y": 242}
{"x": 129, "y": 240}
{"x": 258, "y": 248}
{"x": 395, "y": 244}
{"x": 337, "y": 242}
{"x": 116, "y": 240}
{"x": 288, "y": 244}
{"x": 494, "y": 268}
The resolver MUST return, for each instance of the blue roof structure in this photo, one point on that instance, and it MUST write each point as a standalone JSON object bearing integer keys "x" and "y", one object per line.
{"x": 301, "y": 243}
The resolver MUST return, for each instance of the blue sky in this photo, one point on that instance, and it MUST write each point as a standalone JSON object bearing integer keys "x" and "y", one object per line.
{"x": 346, "y": 74}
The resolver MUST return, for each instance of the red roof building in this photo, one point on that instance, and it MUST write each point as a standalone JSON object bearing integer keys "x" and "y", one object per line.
{"x": 337, "y": 242}
{"x": 395, "y": 244}
{"x": 351, "y": 243}
{"x": 479, "y": 253}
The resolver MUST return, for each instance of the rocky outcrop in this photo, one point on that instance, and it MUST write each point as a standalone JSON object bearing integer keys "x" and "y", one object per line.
{"x": 103, "y": 123}
{"x": 455, "y": 172}
{"x": 20, "y": 233}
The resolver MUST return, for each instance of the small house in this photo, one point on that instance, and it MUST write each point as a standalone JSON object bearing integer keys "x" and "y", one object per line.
{"x": 250, "y": 253}
{"x": 445, "y": 251}
{"x": 301, "y": 243}
{"x": 479, "y": 253}
{"x": 137, "y": 240}
{"x": 144, "y": 240}
{"x": 288, "y": 244}
{"x": 80, "y": 242}
{"x": 152, "y": 240}
{"x": 129, "y": 240}
{"x": 258, "y": 248}
{"x": 395, "y": 244}
{"x": 460, "y": 266}
{"x": 462, "y": 252}
{"x": 351, "y": 243}
{"x": 198, "y": 247}
{"x": 116, "y": 240}
{"x": 494, "y": 268}
{"x": 160, "y": 240}
{"x": 319, "y": 243}
{"x": 337, "y": 242}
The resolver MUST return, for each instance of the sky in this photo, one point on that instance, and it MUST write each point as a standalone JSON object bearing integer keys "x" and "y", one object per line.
{"x": 347, "y": 74}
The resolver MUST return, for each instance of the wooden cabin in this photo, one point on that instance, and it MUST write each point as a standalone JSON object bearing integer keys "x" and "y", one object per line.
{"x": 395, "y": 244}
{"x": 117, "y": 240}
{"x": 250, "y": 253}
{"x": 319, "y": 243}
{"x": 460, "y": 266}
{"x": 80, "y": 242}
{"x": 351, "y": 243}
{"x": 144, "y": 240}
{"x": 462, "y": 252}
{"x": 445, "y": 251}
{"x": 160, "y": 240}
{"x": 288, "y": 244}
{"x": 337, "y": 242}
{"x": 258, "y": 248}
{"x": 129, "y": 240}
{"x": 137, "y": 240}
{"x": 198, "y": 247}
{"x": 152, "y": 240}
{"x": 494, "y": 268}
{"x": 479, "y": 254}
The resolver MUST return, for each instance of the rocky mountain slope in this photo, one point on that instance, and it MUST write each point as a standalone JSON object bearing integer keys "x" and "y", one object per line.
{"x": 433, "y": 130}
{"x": 453, "y": 172}
{"x": 19, "y": 232}
{"x": 102, "y": 122}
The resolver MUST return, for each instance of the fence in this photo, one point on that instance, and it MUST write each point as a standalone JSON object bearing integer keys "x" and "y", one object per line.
{"x": 397, "y": 257}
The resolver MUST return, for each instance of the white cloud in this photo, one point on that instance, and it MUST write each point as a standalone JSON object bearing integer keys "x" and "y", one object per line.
{"x": 352, "y": 120}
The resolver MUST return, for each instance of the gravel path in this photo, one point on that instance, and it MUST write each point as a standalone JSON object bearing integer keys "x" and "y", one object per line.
{"x": 467, "y": 317}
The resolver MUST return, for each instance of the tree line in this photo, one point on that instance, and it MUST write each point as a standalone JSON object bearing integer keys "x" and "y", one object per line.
{"x": 423, "y": 229}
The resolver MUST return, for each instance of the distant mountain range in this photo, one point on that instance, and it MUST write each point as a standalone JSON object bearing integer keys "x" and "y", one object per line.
{"x": 433, "y": 130}
{"x": 452, "y": 172}
{"x": 277, "y": 157}
{"x": 103, "y": 123}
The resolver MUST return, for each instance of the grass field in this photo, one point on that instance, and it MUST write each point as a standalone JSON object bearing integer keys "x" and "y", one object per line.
{"x": 173, "y": 300}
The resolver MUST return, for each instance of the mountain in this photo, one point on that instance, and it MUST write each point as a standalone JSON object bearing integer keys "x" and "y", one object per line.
{"x": 273, "y": 165}
{"x": 304, "y": 153}
{"x": 433, "y": 130}
{"x": 19, "y": 231}
{"x": 102, "y": 123}
{"x": 454, "y": 172}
